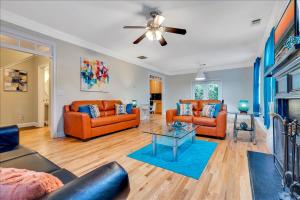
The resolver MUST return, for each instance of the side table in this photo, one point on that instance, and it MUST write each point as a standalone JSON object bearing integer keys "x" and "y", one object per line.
{"x": 250, "y": 129}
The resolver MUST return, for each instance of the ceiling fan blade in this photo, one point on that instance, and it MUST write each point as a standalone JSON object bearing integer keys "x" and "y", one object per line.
{"x": 162, "y": 41}
{"x": 175, "y": 30}
{"x": 140, "y": 38}
{"x": 158, "y": 20}
{"x": 143, "y": 27}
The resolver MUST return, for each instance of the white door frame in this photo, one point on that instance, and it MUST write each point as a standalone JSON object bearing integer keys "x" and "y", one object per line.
{"x": 41, "y": 95}
{"x": 52, "y": 68}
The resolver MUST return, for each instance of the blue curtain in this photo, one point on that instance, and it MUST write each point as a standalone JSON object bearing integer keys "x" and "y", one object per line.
{"x": 269, "y": 57}
{"x": 256, "y": 77}
{"x": 269, "y": 82}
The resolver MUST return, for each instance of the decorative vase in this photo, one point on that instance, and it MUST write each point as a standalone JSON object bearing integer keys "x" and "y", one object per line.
{"x": 243, "y": 106}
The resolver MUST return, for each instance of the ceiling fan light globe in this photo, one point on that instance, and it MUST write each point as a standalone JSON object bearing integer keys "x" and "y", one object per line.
{"x": 158, "y": 35}
{"x": 150, "y": 35}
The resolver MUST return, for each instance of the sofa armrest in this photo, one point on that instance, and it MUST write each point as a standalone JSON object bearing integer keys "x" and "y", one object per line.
{"x": 222, "y": 124}
{"x": 137, "y": 112}
{"x": 224, "y": 108}
{"x": 77, "y": 124}
{"x": 9, "y": 137}
{"x": 106, "y": 182}
{"x": 170, "y": 114}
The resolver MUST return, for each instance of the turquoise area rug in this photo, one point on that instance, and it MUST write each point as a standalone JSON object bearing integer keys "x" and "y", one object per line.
{"x": 192, "y": 158}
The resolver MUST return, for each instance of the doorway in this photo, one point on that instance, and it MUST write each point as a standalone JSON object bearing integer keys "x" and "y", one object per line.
{"x": 24, "y": 89}
{"x": 22, "y": 42}
{"x": 156, "y": 85}
{"x": 43, "y": 94}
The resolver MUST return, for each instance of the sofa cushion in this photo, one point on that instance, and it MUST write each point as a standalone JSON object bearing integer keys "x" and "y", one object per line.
{"x": 129, "y": 107}
{"x": 85, "y": 109}
{"x": 120, "y": 109}
{"x": 75, "y": 104}
{"x": 188, "y": 119}
{"x": 196, "y": 113}
{"x": 210, "y": 101}
{"x": 205, "y": 121}
{"x": 110, "y": 104}
{"x": 195, "y": 103}
{"x": 184, "y": 109}
{"x": 18, "y": 151}
{"x": 208, "y": 110}
{"x": 217, "y": 109}
{"x": 34, "y": 162}
{"x": 108, "y": 113}
{"x": 94, "y": 111}
{"x": 101, "y": 121}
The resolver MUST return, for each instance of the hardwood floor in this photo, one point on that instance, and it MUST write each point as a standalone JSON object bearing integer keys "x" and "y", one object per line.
{"x": 225, "y": 177}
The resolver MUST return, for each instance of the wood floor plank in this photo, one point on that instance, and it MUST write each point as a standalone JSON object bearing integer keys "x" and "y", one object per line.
{"x": 225, "y": 177}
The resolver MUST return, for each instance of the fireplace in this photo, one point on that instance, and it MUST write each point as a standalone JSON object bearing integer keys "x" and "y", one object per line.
{"x": 280, "y": 133}
{"x": 280, "y": 140}
{"x": 286, "y": 120}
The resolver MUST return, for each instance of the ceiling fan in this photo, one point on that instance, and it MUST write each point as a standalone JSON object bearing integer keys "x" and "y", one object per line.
{"x": 155, "y": 30}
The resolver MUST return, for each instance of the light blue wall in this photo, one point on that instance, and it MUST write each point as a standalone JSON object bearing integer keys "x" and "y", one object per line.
{"x": 236, "y": 84}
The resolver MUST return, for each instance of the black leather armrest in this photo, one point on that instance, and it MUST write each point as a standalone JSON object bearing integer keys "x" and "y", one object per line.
{"x": 109, "y": 181}
{"x": 9, "y": 138}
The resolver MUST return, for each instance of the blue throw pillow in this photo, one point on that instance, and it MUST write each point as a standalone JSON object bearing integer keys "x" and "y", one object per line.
{"x": 129, "y": 107}
{"x": 217, "y": 109}
{"x": 85, "y": 109}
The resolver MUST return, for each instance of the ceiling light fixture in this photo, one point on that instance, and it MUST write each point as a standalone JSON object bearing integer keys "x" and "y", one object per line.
{"x": 155, "y": 30}
{"x": 200, "y": 74}
{"x": 150, "y": 35}
{"x": 154, "y": 35}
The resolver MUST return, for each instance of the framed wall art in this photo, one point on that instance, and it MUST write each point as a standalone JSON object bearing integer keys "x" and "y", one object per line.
{"x": 15, "y": 80}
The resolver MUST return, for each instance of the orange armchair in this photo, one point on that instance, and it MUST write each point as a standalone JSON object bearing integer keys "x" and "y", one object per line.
{"x": 215, "y": 127}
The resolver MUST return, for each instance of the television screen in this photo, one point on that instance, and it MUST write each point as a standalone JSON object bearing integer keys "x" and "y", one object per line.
{"x": 298, "y": 17}
{"x": 285, "y": 26}
{"x": 288, "y": 26}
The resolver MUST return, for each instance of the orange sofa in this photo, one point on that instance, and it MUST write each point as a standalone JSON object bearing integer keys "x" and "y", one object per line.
{"x": 215, "y": 127}
{"x": 81, "y": 126}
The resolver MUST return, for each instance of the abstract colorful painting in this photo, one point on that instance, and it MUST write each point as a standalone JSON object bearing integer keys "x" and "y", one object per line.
{"x": 93, "y": 74}
{"x": 15, "y": 80}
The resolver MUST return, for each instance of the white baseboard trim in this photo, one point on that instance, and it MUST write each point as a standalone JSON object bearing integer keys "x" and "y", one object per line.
{"x": 267, "y": 132}
{"x": 28, "y": 124}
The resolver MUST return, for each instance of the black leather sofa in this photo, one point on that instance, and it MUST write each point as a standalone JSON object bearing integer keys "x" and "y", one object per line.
{"x": 106, "y": 182}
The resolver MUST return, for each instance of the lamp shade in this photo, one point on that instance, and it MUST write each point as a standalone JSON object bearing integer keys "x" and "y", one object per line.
{"x": 243, "y": 105}
{"x": 200, "y": 76}
{"x": 134, "y": 103}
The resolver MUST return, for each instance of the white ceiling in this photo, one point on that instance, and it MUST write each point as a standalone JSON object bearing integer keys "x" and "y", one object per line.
{"x": 219, "y": 33}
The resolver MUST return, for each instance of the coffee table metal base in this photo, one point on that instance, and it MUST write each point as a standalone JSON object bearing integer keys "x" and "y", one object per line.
{"x": 175, "y": 146}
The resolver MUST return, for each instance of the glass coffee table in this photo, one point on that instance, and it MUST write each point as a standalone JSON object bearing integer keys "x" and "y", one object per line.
{"x": 171, "y": 136}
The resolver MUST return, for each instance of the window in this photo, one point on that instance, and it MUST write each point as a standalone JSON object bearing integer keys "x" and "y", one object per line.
{"x": 207, "y": 90}
{"x": 199, "y": 92}
{"x": 14, "y": 42}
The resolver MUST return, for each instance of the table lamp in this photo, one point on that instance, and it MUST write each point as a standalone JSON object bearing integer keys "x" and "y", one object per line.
{"x": 243, "y": 106}
{"x": 134, "y": 103}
